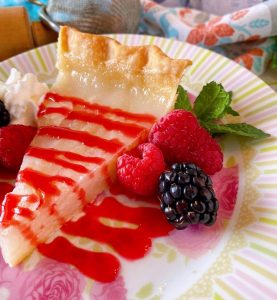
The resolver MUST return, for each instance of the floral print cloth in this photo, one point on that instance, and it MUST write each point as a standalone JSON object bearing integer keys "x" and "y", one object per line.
{"x": 244, "y": 35}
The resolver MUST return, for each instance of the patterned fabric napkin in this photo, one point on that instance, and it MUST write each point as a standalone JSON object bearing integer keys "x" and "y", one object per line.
{"x": 245, "y": 35}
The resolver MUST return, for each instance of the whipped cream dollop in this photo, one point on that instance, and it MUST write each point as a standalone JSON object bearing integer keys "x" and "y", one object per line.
{"x": 22, "y": 96}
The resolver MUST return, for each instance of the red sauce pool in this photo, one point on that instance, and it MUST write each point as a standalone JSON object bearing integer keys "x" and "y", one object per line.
{"x": 102, "y": 267}
{"x": 129, "y": 243}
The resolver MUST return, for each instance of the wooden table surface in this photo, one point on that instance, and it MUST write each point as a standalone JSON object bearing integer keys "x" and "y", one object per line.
{"x": 18, "y": 34}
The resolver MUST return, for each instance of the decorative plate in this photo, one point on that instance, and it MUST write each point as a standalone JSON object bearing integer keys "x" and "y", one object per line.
{"x": 235, "y": 259}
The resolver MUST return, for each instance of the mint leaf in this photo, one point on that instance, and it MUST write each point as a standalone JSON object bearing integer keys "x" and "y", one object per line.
{"x": 242, "y": 129}
{"x": 229, "y": 110}
{"x": 182, "y": 101}
{"x": 212, "y": 102}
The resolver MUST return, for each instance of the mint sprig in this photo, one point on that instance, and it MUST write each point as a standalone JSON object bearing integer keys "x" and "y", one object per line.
{"x": 182, "y": 99}
{"x": 212, "y": 102}
{"x": 211, "y": 105}
{"x": 242, "y": 129}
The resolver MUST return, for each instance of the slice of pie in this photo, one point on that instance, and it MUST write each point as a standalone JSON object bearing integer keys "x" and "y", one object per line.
{"x": 104, "y": 101}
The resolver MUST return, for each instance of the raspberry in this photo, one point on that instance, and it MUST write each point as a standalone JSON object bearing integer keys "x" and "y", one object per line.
{"x": 139, "y": 169}
{"x": 181, "y": 139}
{"x": 14, "y": 141}
{"x": 5, "y": 188}
{"x": 187, "y": 196}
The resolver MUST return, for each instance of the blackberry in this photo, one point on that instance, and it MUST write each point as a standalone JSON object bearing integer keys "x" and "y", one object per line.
{"x": 187, "y": 196}
{"x": 4, "y": 115}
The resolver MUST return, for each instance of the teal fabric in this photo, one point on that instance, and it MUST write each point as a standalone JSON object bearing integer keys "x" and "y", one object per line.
{"x": 32, "y": 9}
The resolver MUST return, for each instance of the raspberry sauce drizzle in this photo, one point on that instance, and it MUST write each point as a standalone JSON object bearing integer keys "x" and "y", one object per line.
{"x": 130, "y": 243}
{"x": 46, "y": 187}
{"x": 45, "y": 184}
{"x": 99, "y": 109}
{"x": 127, "y": 128}
{"x": 56, "y": 156}
{"x": 44, "y": 110}
{"x": 110, "y": 146}
{"x": 102, "y": 267}
{"x": 5, "y": 188}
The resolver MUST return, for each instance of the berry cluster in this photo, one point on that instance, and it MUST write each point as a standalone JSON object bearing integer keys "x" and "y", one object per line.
{"x": 187, "y": 196}
{"x": 186, "y": 192}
